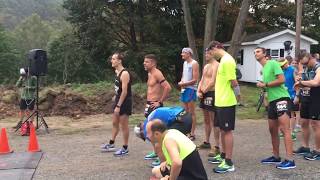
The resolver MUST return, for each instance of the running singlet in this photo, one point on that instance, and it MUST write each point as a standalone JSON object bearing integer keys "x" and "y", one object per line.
{"x": 187, "y": 73}
{"x": 118, "y": 87}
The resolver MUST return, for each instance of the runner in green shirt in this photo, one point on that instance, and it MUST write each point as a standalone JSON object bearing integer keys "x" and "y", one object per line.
{"x": 278, "y": 111}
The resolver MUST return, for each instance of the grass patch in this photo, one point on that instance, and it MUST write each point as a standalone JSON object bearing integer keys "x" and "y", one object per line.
{"x": 90, "y": 90}
{"x": 249, "y": 97}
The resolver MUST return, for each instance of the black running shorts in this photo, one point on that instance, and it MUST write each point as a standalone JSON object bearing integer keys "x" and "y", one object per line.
{"x": 207, "y": 102}
{"x": 27, "y": 104}
{"x": 278, "y": 107}
{"x": 126, "y": 107}
{"x": 225, "y": 118}
{"x": 183, "y": 123}
{"x": 309, "y": 111}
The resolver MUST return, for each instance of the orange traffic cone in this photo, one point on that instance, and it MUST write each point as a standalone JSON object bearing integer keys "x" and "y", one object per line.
{"x": 33, "y": 142}
{"x": 4, "y": 145}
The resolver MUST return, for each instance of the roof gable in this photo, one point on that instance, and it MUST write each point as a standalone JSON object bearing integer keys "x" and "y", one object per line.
{"x": 264, "y": 36}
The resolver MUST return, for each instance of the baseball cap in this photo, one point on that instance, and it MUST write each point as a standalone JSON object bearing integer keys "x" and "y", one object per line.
{"x": 187, "y": 50}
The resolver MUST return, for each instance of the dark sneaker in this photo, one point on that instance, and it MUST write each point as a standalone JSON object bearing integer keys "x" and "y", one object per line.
{"x": 314, "y": 155}
{"x": 215, "y": 160}
{"x": 108, "y": 148}
{"x": 271, "y": 160}
{"x": 302, "y": 151}
{"x": 121, "y": 152}
{"x": 286, "y": 164}
{"x": 156, "y": 162}
{"x": 223, "y": 168}
{"x": 151, "y": 156}
{"x": 204, "y": 145}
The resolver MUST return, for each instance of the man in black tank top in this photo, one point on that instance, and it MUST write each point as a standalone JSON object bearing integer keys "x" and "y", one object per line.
{"x": 122, "y": 107}
{"x": 310, "y": 111}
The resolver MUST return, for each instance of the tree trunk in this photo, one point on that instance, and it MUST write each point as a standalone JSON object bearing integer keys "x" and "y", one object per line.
{"x": 133, "y": 38}
{"x": 237, "y": 35}
{"x": 189, "y": 29}
{"x": 299, "y": 4}
{"x": 211, "y": 24}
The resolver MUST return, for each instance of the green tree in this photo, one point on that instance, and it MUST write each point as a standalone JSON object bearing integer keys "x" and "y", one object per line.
{"x": 69, "y": 62}
{"x": 32, "y": 33}
{"x": 9, "y": 65}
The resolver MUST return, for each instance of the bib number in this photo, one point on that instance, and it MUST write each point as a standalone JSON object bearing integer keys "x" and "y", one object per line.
{"x": 282, "y": 106}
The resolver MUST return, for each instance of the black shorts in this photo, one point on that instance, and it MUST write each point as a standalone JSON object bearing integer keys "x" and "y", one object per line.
{"x": 148, "y": 109}
{"x": 294, "y": 107}
{"x": 183, "y": 123}
{"x": 225, "y": 118}
{"x": 278, "y": 107}
{"x": 126, "y": 107}
{"x": 207, "y": 102}
{"x": 192, "y": 168}
{"x": 309, "y": 111}
{"x": 27, "y": 104}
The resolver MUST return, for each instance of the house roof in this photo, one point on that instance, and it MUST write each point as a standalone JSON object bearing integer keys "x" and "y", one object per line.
{"x": 258, "y": 38}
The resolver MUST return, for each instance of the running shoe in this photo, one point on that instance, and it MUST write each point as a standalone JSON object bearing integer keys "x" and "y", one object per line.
{"x": 156, "y": 162}
{"x": 223, "y": 168}
{"x": 204, "y": 145}
{"x": 215, "y": 160}
{"x": 150, "y": 156}
{"x": 271, "y": 160}
{"x": 302, "y": 151}
{"x": 286, "y": 164}
{"x": 213, "y": 152}
{"x": 293, "y": 136}
{"x": 314, "y": 155}
{"x": 121, "y": 152}
{"x": 108, "y": 148}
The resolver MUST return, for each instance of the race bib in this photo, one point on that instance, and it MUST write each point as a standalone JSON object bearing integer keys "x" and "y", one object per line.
{"x": 208, "y": 101}
{"x": 282, "y": 106}
{"x": 305, "y": 92}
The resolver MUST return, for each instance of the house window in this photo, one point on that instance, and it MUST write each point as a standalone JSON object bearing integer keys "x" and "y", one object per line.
{"x": 275, "y": 53}
{"x": 240, "y": 57}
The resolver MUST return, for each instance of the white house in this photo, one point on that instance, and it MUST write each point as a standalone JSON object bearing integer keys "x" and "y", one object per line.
{"x": 273, "y": 41}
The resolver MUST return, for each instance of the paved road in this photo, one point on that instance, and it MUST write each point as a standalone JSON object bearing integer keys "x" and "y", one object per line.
{"x": 76, "y": 155}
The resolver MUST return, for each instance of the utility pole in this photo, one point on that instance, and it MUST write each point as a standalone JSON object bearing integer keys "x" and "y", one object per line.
{"x": 299, "y": 4}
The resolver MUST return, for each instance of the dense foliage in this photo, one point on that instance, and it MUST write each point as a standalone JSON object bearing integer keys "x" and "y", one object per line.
{"x": 80, "y": 35}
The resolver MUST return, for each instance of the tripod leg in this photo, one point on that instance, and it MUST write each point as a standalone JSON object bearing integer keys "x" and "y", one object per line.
{"x": 43, "y": 122}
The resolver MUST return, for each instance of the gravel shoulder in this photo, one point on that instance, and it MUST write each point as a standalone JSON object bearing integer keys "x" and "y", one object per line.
{"x": 72, "y": 151}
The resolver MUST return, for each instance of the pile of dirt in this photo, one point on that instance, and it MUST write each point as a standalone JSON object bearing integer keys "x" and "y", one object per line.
{"x": 64, "y": 102}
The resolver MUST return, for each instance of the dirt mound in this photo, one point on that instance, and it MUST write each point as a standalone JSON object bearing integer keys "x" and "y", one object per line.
{"x": 65, "y": 102}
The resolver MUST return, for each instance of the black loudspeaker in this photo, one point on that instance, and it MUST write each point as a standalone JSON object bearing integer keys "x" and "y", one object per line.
{"x": 37, "y": 62}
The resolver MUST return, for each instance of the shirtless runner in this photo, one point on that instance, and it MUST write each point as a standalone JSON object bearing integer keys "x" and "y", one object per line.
{"x": 205, "y": 93}
{"x": 158, "y": 87}
{"x": 157, "y": 91}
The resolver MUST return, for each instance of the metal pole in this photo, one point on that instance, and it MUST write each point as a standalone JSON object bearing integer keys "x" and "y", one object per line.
{"x": 37, "y": 102}
{"x": 299, "y": 4}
